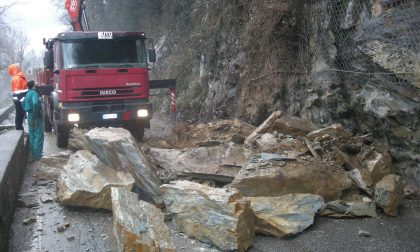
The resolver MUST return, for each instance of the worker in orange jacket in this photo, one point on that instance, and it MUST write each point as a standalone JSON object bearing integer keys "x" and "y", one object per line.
{"x": 19, "y": 90}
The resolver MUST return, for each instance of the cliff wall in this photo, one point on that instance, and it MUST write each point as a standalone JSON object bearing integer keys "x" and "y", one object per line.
{"x": 354, "y": 62}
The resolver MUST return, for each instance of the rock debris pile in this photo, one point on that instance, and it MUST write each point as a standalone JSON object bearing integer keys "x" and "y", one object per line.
{"x": 223, "y": 182}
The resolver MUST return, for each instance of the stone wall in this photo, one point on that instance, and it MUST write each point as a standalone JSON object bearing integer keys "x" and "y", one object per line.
{"x": 12, "y": 165}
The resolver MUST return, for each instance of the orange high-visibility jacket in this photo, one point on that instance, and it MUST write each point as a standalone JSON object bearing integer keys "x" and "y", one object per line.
{"x": 18, "y": 79}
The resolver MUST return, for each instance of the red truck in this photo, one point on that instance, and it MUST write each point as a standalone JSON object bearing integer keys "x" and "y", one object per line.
{"x": 96, "y": 79}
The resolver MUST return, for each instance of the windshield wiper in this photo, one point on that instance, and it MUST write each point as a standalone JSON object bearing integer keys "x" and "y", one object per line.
{"x": 88, "y": 66}
{"x": 126, "y": 65}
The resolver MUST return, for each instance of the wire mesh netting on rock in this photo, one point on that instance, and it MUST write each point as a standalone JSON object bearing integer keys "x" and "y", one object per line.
{"x": 371, "y": 41}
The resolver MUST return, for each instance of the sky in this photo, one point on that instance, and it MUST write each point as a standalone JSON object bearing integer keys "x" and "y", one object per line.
{"x": 38, "y": 19}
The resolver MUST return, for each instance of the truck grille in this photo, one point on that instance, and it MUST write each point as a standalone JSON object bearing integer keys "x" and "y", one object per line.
{"x": 112, "y": 92}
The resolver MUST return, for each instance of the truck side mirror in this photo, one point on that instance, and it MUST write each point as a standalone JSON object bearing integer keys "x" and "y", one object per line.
{"x": 48, "y": 60}
{"x": 152, "y": 55}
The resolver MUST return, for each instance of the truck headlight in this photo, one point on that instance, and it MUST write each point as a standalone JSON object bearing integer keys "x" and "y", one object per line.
{"x": 73, "y": 117}
{"x": 142, "y": 113}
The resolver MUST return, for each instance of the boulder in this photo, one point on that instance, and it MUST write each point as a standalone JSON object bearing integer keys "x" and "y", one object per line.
{"x": 334, "y": 130}
{"x": 266, "y": 126}
{"x": 285, "y": 215}
{"x": 340, "y": 209}
{"x": 293, "y": 148}
{"x": 77, "y": 140}
{"x": 86, "y": 182}
{"x": 362, "y": 182}
{"x": 356, "y": 171}
{"x": 266, "y": 142}
{"x": 323, "y": 178}
{"x": 282, "y": 123}
{"x": 379, "y": 165}
{"x": 212, "y": 215}
{"x": 290, "y": 125}
{"x": 223, "y": 131}
{"x": 117, "y": 148}
{"x": 218, "y": 160}
{"x": 389, "y": 193}
{"x": 50, "y": 167}
{"x": 235, "y": 156}
{"x": 138, "y": 225}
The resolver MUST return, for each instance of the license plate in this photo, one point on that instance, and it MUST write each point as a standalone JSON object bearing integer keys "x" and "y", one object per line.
{"x": 109, "y": 116}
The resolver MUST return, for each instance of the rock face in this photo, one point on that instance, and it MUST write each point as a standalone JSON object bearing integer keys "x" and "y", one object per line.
{"x": 217, "y": 161}
{"x": 117, "y": 148}
{"x": 389, "y": 193}
{"x": 285, "y": 215}
{"x": 269, "y": 179}
{"x": 211, "y": 215}
{"x": 356, "y": 64}
{"x": 138, "y": 225}
{"x": 86, "y": 182}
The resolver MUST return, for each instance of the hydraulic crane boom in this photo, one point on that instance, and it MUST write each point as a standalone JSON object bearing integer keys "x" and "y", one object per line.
{"x": 76, "y": 11}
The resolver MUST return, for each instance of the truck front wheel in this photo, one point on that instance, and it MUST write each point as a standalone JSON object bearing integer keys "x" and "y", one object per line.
{"x": 137, "y": 130}
{"x": 47, "y": 123}
{"x": 62, "y": 135}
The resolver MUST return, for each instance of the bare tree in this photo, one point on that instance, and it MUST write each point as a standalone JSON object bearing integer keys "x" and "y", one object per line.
{"x": 13, "y": 46}
{"x": 12, "y": 50}
{"x": 5, "y": 6}
{"x": 59, "y": 6}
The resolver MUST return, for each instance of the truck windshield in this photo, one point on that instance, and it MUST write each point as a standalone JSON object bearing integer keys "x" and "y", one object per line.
{"x": 104, "y": 53}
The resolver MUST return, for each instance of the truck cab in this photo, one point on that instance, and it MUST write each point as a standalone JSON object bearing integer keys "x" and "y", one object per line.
{"x": 98, "y": 79}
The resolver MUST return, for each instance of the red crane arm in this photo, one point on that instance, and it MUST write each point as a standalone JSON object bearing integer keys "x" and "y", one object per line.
{"x": 74, "y": 9}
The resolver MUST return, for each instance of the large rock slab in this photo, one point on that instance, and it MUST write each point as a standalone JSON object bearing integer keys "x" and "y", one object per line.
{"x": 85, "y": 181}
{"x": 389, "y": 193}
{"x": 117, "y": 148}
{"x": 138, "y": 225}
{"x": 50, "y": 167}
{"x": 214, "y": 161}
{"x": 285, "y": 215}
{"x": 275, "y": 178}
{"x": 212, "y": 215}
